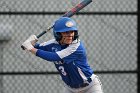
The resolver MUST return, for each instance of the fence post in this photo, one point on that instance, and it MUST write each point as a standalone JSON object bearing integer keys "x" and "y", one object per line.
{"x": 1, "y": 66}
{"x": 5, "y": 36}
{"x": 138, "y": 48}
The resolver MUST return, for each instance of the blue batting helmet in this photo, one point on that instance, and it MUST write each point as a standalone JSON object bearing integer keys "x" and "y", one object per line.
{"x": 64, "y": 24}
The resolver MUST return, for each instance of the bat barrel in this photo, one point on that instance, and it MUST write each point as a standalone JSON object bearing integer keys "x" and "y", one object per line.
{"x": 77, "y": 8}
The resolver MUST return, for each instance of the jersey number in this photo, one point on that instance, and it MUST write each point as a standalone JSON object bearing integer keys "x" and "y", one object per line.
{"x": 61, "y": 68}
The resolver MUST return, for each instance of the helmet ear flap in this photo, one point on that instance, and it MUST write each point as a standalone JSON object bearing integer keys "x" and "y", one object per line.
{"x": 57, "y": 36}
{"x": 76, "y": 36}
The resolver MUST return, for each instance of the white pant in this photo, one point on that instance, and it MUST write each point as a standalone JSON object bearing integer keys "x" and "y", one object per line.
{"x": 94, "y": 87}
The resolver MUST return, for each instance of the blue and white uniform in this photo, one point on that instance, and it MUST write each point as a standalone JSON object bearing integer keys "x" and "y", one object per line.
{"x": 70, "y": 60}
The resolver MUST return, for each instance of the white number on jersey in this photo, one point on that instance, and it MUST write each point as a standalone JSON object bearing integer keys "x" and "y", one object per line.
{"x": 62, "y": 70}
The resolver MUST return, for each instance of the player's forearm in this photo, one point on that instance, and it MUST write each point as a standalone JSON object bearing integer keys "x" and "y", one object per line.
{"x": 36, "y": 45}
{"x": 49, "y": 56}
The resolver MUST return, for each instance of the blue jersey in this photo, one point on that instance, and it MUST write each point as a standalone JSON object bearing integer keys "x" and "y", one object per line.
{"x": 70, "y": 60}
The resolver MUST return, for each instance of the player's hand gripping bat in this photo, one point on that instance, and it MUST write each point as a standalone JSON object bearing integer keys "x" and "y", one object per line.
{"x": 70, "y": 13}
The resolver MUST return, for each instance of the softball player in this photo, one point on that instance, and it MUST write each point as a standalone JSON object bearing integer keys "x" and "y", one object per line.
{"x": 68, "y": 54}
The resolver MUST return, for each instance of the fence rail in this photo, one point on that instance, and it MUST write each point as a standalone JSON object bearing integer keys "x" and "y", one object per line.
{"x": 115, "y": 37}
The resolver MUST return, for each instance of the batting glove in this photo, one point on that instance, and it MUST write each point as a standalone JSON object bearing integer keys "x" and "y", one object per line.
{"x": 28, "y": 44}
{"x": 32, "y": 38}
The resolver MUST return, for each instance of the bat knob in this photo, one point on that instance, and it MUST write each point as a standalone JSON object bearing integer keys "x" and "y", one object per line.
{"x": 23, "y": 47}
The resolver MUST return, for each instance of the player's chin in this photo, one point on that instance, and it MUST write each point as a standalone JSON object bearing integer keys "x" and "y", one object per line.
{"x": 69, "y": 41}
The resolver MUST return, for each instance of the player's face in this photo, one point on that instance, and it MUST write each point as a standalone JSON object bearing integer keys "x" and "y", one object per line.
{"x": 67, "y": 37}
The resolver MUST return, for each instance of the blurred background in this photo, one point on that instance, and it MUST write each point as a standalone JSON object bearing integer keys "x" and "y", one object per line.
{"x": 108, "y": 29}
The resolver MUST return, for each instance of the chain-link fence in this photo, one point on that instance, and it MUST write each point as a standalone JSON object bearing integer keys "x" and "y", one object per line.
{"x": 107, "y": 27}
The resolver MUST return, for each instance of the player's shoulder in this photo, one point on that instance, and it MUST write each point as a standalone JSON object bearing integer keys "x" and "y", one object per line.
{"x": 52, "y": 41}
{"x": 76, "y": 45}
{"x": 80, "y": 45}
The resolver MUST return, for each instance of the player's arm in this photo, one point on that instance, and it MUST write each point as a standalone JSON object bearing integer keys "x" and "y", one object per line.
{"x": 39, "y": 46}
{"x": 53, "y": 56}
{"x": 68, "y": 54}
{"x": 44, "y": 45}
{"x": 49, "y": 56}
